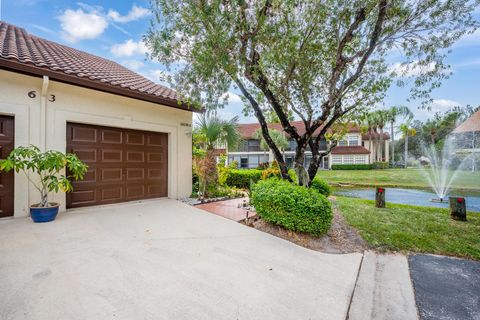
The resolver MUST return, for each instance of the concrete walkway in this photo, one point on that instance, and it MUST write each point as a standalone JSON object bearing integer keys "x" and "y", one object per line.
{"x": 384, "y": 289}
{"x": 164, "y": 260}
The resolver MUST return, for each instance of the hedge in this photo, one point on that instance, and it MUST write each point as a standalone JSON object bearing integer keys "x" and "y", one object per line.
{"x": 352, "y": 166}
{"x": 291, "y": 206}
{"x": 241, "y": 178}
{"x": 381, "y": 165}
{"x": 321, "y": 186}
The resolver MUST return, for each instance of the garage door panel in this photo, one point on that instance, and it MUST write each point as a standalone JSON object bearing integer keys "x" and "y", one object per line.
{"x": 135, "y": 156}
{"x": 83, "y": 134}
{"x": 112, "y": 137}
{"x": 112, "y": 174}
{"x": 155, "y": 140}
{"x": 111, "y": 194}
{"x": 135, "y": 192}
{"x": 111, "y": 155}
{"x": 82, "y": 197}
{"x": 88, "y": 155}
{"x": 7, "y": 137}
{"x": 155, "y": 157}
{"x": 123, "y": 165}
{"x": 135, "y": 139}
{"x": 135, "y": 174}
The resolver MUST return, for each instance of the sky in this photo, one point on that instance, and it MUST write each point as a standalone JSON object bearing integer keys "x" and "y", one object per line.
{"x": 114, "y": 30}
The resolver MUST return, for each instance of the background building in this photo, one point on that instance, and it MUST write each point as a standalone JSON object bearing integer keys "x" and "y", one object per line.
{"x": 354, "y": 148}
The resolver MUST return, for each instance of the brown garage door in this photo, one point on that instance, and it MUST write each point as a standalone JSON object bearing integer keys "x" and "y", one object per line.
{"x": 7, "y": 134}
{"x": 123, "y": 164}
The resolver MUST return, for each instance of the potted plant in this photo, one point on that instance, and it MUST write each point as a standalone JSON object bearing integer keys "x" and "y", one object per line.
{"x": 47, "y": 166}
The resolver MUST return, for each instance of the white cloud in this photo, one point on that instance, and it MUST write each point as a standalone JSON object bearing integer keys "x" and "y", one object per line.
{"x": 78, "y": 24}
{"x": 232, "y": 97}
{"x": 134, "y": 14}
{"x": 134, "y": 65}
{"x": 444, "y": 104}
{"x": 129, "y": 48}
{"x": 471, "y": 39}
{"x": 412, "y": 69}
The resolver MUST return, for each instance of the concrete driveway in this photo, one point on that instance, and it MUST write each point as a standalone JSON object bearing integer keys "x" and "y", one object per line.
{"x": 162, "y": 259}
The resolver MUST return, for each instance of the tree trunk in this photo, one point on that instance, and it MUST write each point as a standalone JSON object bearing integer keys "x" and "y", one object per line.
{"x": 382, "y": 146}
{"x": 393, "y": 143}
{"x": 303, "y": 178}
{"x": 406, "y": 150}
{"x": 44, "y": 199}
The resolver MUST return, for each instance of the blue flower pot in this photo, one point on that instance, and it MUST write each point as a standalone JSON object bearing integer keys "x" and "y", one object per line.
{"x": 44, "y": 214}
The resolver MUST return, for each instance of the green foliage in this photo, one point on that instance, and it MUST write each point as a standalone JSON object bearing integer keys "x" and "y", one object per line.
{"x": 48, "y": 166}
{"x": 263, "y": 165}
{"x": 278, "y": 139}
{"x": 321, "y": 186}
{"x": 291, "y": 206}
{"x": 352, "y": 166}
{"x": 293, "y": 175}
{"x": 241, "y": 178}
{"x": 271, "y": 172}
{"x": 216, "y": 131}
{"x": 320, "y": 59}
{"x": 380, "y": 165}
{"x": 412, "y": 228}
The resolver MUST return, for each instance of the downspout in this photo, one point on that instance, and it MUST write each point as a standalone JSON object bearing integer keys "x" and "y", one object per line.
{"x": 43, "y": 114}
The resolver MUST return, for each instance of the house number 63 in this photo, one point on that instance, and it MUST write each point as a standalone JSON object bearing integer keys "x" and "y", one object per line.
{"x": 33, "y": 94}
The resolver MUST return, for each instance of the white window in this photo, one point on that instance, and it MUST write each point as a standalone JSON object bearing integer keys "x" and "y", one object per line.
{"x": 348, "y": 159}
{"x": 343, "y": 143}
{"x": 360, "y": 159}
{"x": 336, "y": 159}
{"x": 353, "y": 140}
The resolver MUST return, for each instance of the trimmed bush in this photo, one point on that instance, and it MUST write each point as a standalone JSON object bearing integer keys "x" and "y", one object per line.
{"x": 321, "y": 186}
{"x": 381, "y": 165}
{"x": 241, "y": 178}
{"x": 291, "y": 206}
{"x": 293, "y": 175}
{"x": 352, "y": 166}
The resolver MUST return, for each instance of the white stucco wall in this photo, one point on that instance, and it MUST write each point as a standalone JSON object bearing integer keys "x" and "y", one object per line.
{"x": 47, "y": 128}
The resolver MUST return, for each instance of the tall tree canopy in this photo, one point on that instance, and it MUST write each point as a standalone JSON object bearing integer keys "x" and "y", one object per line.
{"x": 319, "y": 59}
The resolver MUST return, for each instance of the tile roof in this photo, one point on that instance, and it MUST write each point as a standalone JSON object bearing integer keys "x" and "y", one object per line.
{"x": 470, "y": 125}
{"x": 248, "y": 129}
{"x": 26, "y": 53}
{"x": 350, "y": 150}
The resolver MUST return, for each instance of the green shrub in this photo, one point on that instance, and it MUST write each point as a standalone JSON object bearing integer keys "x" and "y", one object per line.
{"x": 241, "y": 178}
{"x": 293, "y": 175}
{"x": 291, "y": 206}
{"x": 321, "y": 186}
{"x": 381, "y": 165}
{"x": 352, "y": 166}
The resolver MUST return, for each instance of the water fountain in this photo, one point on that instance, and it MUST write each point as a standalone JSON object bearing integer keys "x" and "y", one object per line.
{"x": 442, "y": 171}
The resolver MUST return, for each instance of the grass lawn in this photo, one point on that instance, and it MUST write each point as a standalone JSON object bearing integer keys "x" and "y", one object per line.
{"x": 407, "y": 178}
{"x": 410, "y": 228}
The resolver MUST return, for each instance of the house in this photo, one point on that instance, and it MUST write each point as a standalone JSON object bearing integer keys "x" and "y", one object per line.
{"x": 355, "y": 148}
{"x": 134, "y": 135}
{"x": 467, "y": 139}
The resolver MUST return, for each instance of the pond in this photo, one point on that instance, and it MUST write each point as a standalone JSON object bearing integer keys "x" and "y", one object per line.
{"x": 412, "y": 196}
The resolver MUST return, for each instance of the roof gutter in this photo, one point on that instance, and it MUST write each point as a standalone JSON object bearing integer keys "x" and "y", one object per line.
{"x": 29, "y": 69}
{"x": 43, "y": 113}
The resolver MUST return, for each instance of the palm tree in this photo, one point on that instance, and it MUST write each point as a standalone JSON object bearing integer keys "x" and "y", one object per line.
{"x": 218, "y": 131}
{"x": 393, "y": 114}
{"x": 407, "y": 131}
{"x": 214, "y": 132}
{"x": 381, "y": 119}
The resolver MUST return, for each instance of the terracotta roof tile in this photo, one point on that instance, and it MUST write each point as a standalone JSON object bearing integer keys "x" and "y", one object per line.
{"x": 248, "y": 129}
{"x": 24, "y": 52}
{"x": 470, "y": 125}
